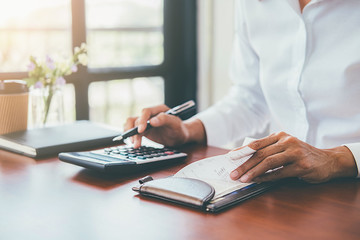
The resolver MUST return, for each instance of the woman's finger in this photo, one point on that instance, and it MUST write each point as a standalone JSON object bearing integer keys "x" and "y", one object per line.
{"x": 257, "y": 158}
{"x": 283, "y": 172}
{"x": 130, "y": 123}
{"x": 147, "y": 113}
{"x": 266, "y": 141}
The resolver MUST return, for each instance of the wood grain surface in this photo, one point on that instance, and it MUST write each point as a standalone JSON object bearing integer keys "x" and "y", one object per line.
{"x": 49, "y": 199}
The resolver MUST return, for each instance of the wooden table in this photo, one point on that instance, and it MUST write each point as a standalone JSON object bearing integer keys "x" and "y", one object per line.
{"x": 49, "y": 199}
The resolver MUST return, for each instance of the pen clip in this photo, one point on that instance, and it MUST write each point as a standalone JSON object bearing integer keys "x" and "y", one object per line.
{"x": 181, "y": 108}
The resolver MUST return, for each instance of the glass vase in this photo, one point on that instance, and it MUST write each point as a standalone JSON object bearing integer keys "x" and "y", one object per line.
{"x": 46, "y": 106}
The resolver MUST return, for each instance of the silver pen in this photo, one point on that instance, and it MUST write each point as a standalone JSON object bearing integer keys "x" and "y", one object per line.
{"x": 176, "y": 111}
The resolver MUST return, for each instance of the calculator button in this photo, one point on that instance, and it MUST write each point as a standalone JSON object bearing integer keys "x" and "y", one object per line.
{"x": 169, "y": 153}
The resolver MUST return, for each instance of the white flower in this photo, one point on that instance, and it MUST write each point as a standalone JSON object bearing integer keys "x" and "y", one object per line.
{"x": 83, "y": 59}
{"x": 63, "y": 66}
{"x": 50, "y": 72}
{"x": 83, "y": 46}
{"x": 76, "y": 50}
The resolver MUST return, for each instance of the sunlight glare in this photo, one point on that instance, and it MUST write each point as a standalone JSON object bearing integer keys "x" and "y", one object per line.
{"x": 15, "y": 10}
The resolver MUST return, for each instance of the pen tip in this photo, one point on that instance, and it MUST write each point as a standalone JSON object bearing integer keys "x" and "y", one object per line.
{"x": 119, "y": 138}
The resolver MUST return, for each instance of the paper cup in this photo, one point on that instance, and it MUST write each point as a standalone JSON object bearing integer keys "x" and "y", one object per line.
{"x": 13, "y": 108}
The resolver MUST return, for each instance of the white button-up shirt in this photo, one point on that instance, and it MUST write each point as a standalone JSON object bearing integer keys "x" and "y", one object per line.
{"x": 298, "y": 72}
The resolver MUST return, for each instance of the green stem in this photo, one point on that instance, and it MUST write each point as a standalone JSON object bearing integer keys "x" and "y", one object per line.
{"x": 47, "y": 101}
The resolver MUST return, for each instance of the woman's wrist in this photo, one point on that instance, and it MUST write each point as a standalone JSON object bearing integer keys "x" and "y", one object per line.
{"x": 345, "y": 162}
{"x": 195, "y": 131}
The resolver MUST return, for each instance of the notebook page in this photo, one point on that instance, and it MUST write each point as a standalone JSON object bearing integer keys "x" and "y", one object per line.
{"x": 216, "y": 170}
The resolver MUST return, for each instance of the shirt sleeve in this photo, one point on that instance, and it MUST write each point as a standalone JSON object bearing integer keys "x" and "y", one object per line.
{"x": 243, "y": 111}
{"x": 355, "y": 149}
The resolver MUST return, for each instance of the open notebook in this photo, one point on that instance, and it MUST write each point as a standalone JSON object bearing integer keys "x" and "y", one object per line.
{"x": 216, "y": 171}
{"x": 206, "y": 184}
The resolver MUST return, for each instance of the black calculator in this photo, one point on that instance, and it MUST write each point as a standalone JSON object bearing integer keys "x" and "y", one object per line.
{"x": 123, "y": 158}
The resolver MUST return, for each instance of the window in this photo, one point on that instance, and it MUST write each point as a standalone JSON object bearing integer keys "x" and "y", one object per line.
{"x": 123, "y": 33}
{"x": 141, "y": 52}
{"x": 113, "y": 101}
{"x": 38, "y": 28}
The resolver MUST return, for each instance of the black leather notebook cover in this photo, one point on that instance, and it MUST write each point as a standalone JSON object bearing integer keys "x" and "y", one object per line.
{"x": 41, "y": 142}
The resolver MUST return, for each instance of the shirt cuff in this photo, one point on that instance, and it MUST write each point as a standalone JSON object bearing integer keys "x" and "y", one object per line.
{"x": 214, "y": 131}
{"x": 355, "y": 149}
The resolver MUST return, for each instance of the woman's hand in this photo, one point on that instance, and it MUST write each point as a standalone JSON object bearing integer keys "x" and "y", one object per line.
{"x": 281, "y": 155}
{"x": 166, "y": 129}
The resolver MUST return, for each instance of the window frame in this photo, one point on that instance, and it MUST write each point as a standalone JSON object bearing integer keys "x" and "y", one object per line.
{"x": 179, "y": 68}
